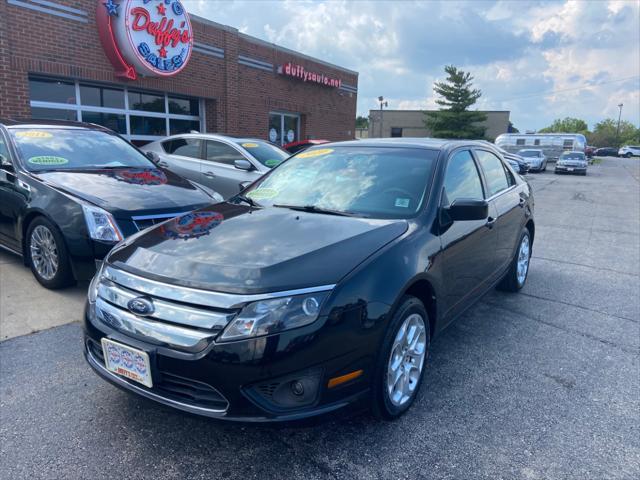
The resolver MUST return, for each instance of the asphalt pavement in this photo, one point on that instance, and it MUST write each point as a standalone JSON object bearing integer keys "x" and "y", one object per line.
{"x": 536, "y": 385}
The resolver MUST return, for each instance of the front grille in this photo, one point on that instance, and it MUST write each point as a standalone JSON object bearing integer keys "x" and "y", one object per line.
{"x": 145, "y": 221}
{"x": 174, "y": 387}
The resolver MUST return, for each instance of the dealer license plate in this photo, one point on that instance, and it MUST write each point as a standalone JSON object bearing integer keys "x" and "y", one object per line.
{"x": 569, "y": 169}
{"x": 127, "y": 362}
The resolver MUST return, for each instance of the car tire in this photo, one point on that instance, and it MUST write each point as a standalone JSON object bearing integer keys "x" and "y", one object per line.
{"x": 516, "y": 276}
{"x": 627, "y": 155}
{"x": 47, "y": 255}
{"x": 394, "y": 388}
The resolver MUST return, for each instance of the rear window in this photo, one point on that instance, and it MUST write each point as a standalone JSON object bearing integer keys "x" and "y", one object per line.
{"x": 267, "y": 154}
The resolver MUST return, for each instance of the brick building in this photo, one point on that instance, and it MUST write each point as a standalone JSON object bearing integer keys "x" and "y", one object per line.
{"x": 53, "y": 65}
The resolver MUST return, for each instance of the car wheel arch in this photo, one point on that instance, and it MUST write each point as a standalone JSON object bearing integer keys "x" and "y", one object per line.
{"x": 26, "y": 221}
{"x": 530, "y": 225}
{"x": 423, "y": 290}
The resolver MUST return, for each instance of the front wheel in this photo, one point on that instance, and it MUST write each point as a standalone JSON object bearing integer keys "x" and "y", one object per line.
{"x": 401, "y": 363}
{"x": 47, "y": 254}
{"x": 627, "y": 155}
{"x": 516, "y": 276}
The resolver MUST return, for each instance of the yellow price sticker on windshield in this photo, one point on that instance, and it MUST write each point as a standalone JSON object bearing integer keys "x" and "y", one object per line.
{"x": 34, "y": 134}
{"x": 250, "y": 145}
{"x": 315, "y": 153}
{"x": 48, "y": 160}
{"x": 262, "y": 193}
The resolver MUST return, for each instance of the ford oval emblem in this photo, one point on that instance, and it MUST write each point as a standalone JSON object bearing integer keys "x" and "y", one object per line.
{"x": 141, "y": 306}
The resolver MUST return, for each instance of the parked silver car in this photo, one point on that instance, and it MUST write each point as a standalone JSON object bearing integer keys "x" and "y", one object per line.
{"x": 535, "y": 158}
{"x": 219, "y": 162}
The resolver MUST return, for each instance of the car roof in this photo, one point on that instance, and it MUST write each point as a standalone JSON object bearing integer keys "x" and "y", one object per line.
{"x": 414, "y": 142}
{"x": 12, "y": 123}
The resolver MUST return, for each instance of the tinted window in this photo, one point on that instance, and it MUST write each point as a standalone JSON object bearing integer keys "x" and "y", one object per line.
{"x": 40, "y": 113}
{"x": 222, "y": 153}
{"x": 520, "y": 141}
{"x": 567, "y": 144}
{"x": 267, "y": 154}
{"x": 494, "y": 172}
{"x": 572, "y": 156}
{"x": 114, "y": 121}
{"x": 183, "y": 126}
{"x": 184, "y": 106}
{"x": 462, "y": 179}
{"x": 148, "y": 126}
{"x": 368, "y": 181}
{"x": 52, "y": 91}
{"x": 4, "y": 152}
{"x": 396, "y": 131}
{"x": 62, "y": 149}
{"x": 187, "y": 147}
{"x": 101, "y": 97}
{"x": 146, "y": 101}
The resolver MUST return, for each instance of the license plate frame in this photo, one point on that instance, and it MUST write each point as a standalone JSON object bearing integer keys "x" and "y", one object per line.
{"x": 569, "y": 169}
{"x": 127, "y": 362}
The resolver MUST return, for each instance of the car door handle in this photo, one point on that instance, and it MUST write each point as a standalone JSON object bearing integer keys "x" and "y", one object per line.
{"x": 490, "y": 222}
{"x": 209, "y": 174}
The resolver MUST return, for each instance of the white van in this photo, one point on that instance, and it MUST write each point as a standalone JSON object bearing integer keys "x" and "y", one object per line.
{"x": 551, "y": 144}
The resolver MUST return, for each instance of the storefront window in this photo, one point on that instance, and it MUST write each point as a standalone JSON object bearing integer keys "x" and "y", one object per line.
{"x": 283, "y": 128}
{"x": 53, "y": 114}
{"x": 148, "y": 126}
{"x": 114, "y": 121}
{"x": 146, "y": 102}
{"x": 183, "y": 126}
{"x": 183, "y": 106}
{"x": 52, "y": 91}
{"x": 101, "y": 97}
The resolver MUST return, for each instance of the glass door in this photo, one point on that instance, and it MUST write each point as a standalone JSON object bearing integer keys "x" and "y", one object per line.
{"x": 283, "y": 128}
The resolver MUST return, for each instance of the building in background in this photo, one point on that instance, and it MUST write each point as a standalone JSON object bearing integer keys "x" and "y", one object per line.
{"x": 147, "y": 69}
{"x": 410, "y": 123}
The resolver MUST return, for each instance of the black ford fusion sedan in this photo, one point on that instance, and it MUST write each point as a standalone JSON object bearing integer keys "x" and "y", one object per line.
{"x": 70, "y": 191}
{"x": 320, "y": 285}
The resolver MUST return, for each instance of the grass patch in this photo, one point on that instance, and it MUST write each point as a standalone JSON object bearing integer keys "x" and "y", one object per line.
{"x": 596, "y": 161}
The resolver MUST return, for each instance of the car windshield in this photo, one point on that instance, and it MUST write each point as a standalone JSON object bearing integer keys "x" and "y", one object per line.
{"x": 267, "y": 154}
{"x": 73, "y": 149}
{"x": 365, "y": 181}
{"x": 529, "y": 153}
{"x": 572, "y": 156}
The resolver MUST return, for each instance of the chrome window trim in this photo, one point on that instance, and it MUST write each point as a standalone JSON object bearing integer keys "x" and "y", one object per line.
{"x": 166, "y": 311}
{"x": 101, "y": 369}
{"x": 197, "y": 296}
{"x": 159, "y": 333}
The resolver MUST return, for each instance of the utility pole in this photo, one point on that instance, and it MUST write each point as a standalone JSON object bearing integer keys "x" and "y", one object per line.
{"x": 618, "y": 129}
{"x": 383, "y": 103}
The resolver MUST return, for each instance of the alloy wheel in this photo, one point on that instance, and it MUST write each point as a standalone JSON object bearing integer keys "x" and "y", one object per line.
{"x": 406, "y": 360}
{"x": 523, "y": 260}
{"x": 44, "y": 252}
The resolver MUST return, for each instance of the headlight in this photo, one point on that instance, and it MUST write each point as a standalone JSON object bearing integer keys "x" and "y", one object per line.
{"x": 274, "y": 315}
{"x": 92, "y": 294}
{"x": 101, "y": 224}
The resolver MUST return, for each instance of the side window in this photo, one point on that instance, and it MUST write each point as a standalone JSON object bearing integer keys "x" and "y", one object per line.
{"x": 222, "y": 153}
{"x": 536, "y": 141}
{"x": 462, "y": 179}
{"x": 567, "y": 144}
{"x": 4, "y": 152}
{"x": 494, "y": 172}
{"x": 520, "y": 141}
{"x": 186, "y": 147}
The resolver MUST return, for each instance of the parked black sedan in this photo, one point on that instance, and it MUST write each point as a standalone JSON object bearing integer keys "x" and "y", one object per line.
{"x": 70, "y": 191}
{"x": 320, "y": 285}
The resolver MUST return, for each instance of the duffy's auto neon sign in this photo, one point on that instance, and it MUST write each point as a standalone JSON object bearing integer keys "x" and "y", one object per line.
{"x": 146, "y": 37}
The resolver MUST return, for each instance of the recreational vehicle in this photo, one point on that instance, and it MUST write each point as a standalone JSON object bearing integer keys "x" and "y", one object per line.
{"x": 551, "y": 144}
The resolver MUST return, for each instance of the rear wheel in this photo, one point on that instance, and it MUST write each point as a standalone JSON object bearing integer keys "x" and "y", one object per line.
{"x": 47, "y": 255}
{"x": 516, "y": 276}
{"x": 401, "y": 363}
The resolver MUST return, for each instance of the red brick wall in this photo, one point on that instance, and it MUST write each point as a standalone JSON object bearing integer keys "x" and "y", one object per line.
{"x": 239, "y": 98}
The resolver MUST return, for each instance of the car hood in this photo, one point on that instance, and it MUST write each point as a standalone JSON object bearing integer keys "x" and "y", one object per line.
{"x": 236, "y": 249}
{"x": 125, "y": 191}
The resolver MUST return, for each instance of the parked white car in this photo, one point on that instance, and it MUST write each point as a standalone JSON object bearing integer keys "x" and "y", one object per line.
{"x": 219, "y": 162}
{"x": 629, "y": 151}
{"x": 535, "y": 158}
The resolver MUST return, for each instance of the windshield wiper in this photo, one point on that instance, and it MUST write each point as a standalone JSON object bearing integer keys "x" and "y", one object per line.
{"x": 314, "y": 209}
{"x": 248, "y": 200}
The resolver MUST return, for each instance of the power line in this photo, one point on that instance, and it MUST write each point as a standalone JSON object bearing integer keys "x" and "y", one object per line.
{"x": 551, "y": 92}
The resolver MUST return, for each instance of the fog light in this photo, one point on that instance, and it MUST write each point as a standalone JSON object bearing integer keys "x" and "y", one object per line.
{"x": 297, "y": 388}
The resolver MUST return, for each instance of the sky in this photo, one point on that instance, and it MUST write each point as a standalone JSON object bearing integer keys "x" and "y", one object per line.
{"x": 540, "y": 60}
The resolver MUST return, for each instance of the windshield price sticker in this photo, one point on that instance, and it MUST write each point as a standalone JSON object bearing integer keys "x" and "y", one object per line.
{"x": 33, "y": 134}
{"x": 402, "y": 202}
{"x": 315, "y": 153}
{"x": 48, "y": 160}
{"x": 272, "y": 162}
{"x": 250, "y": 145}
{"x": 262, "y": 193}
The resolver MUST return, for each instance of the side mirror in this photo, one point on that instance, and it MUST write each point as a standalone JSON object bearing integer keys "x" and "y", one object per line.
{"x": 243, "y": 165}
{"x": 466, "y": 209}
{"x": 5, "y": 164}
{"x": 153, "y": 156}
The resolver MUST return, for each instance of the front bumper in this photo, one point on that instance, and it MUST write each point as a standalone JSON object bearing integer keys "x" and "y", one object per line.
{"x": 234, "y": 381}
{"x": 570, "y": 169}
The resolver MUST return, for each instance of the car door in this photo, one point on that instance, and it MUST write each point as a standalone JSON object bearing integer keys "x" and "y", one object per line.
{"x": 468, "y": 247}
{"x": 182, "y": 155}
{"x": 219, "y": 171}
{"x": 13, "y": 198}
{"x": 504, "y": 197}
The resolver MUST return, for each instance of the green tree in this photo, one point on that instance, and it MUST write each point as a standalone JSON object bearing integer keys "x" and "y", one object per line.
{"x": 604, "y": 134}
{"x": 512, "y": 129}
{"x": 362, "y": 122}
{"x": 454, "y": 119}
{"x": 567, "y": 125}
